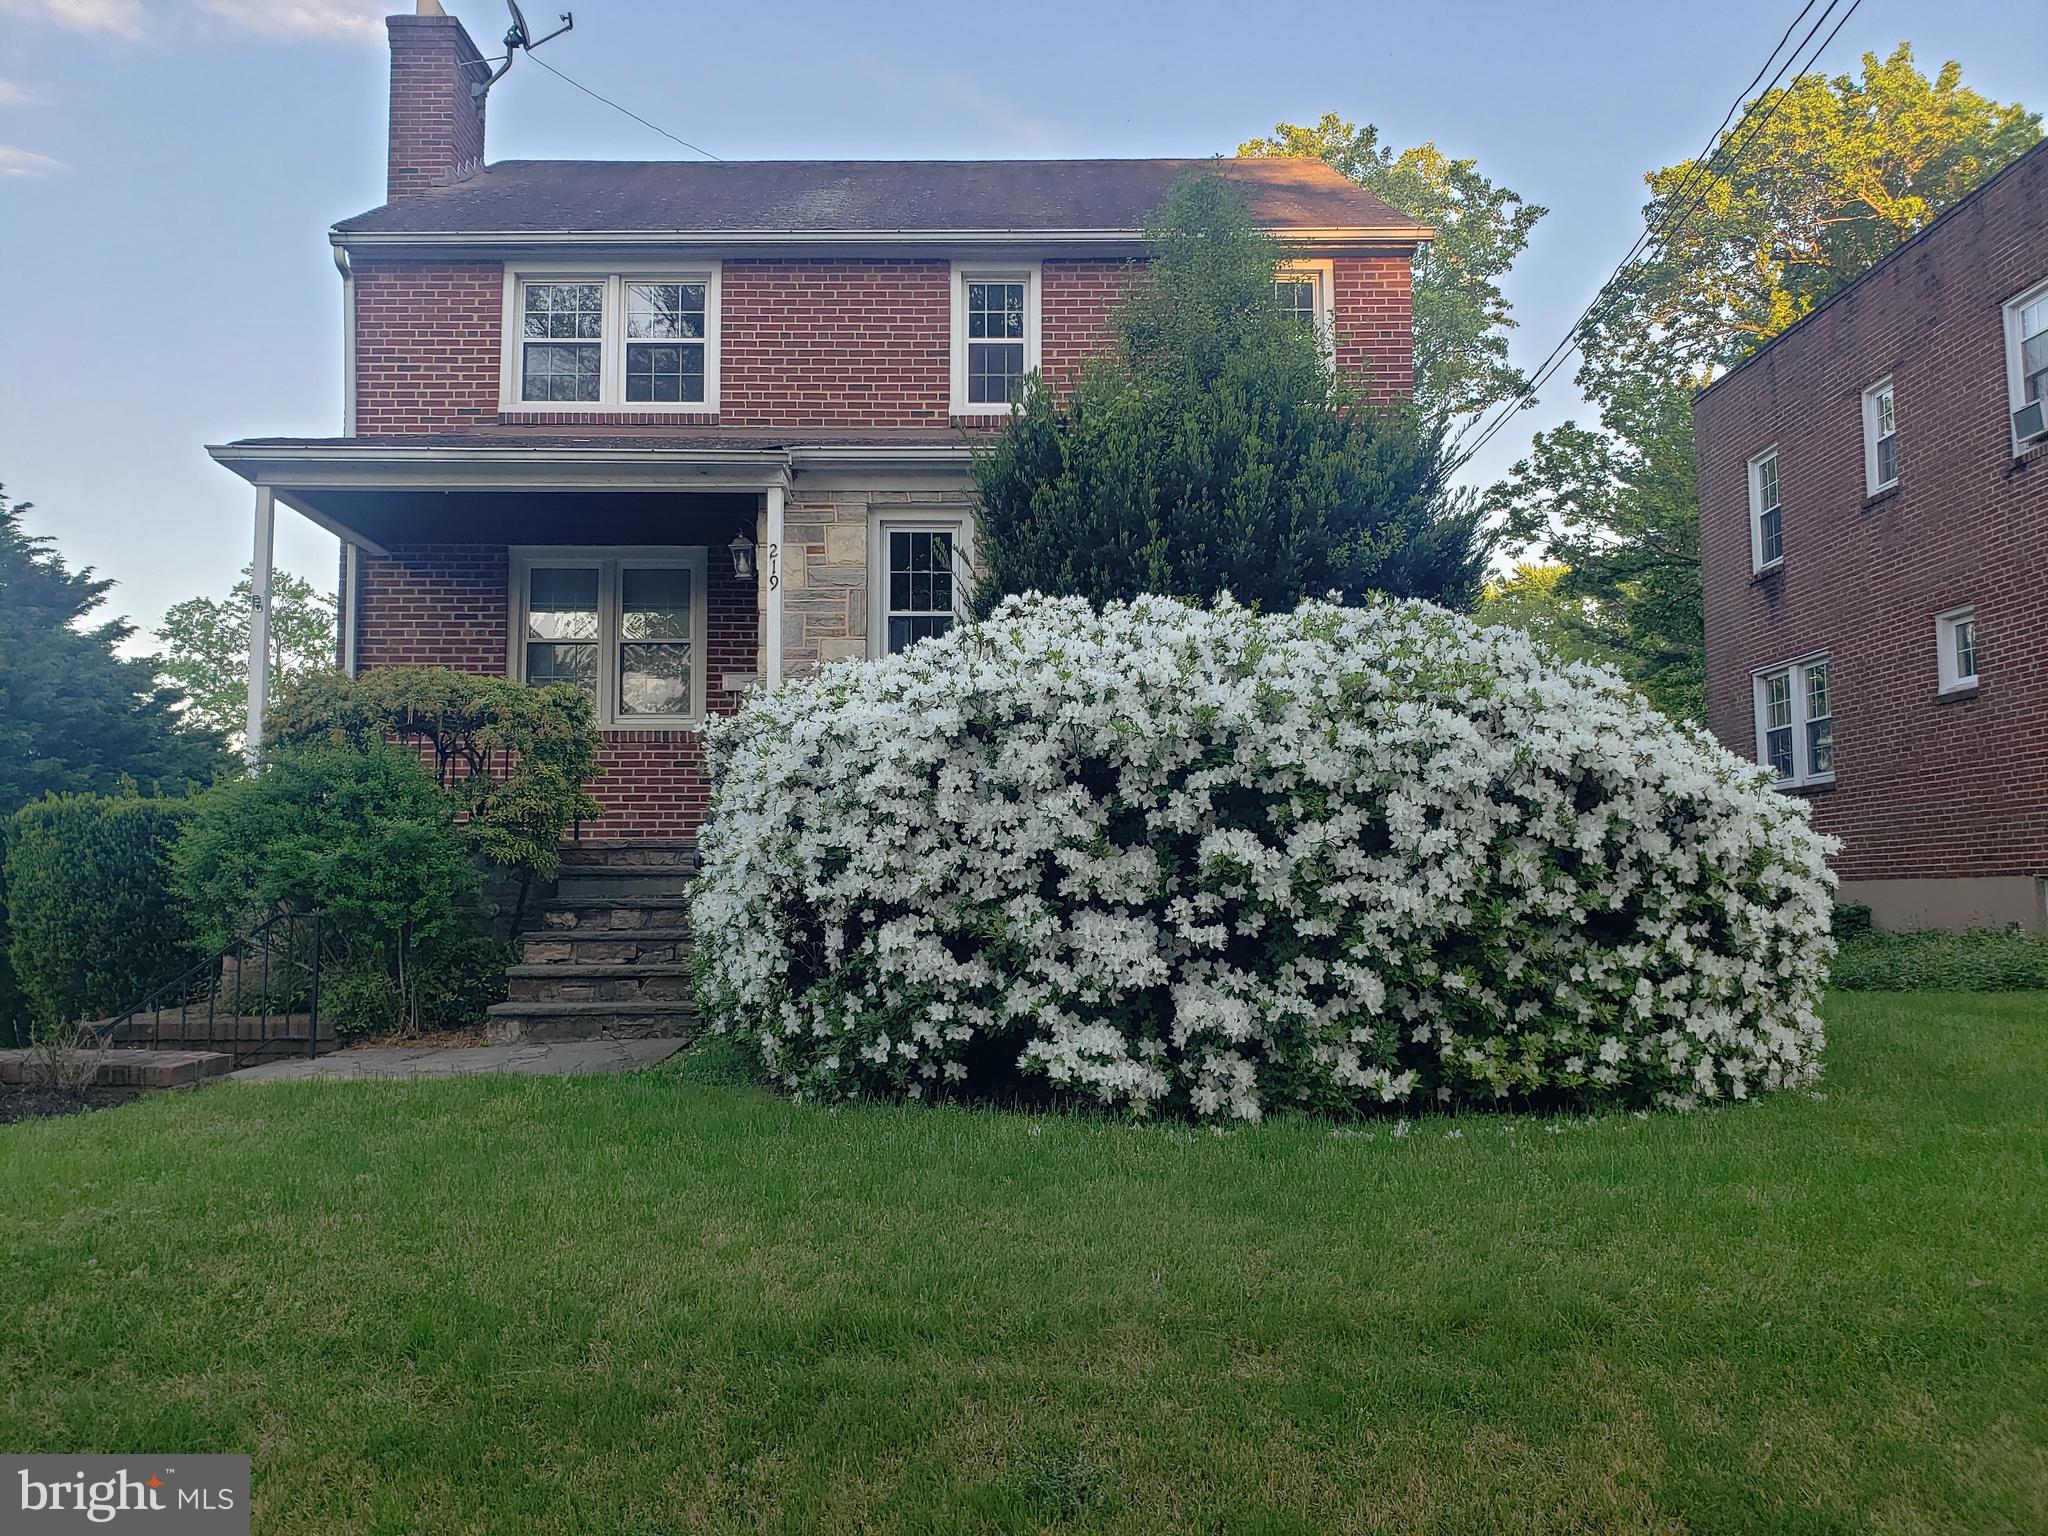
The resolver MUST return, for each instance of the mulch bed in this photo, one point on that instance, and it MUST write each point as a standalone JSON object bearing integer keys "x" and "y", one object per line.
{"x": 26, "y": 1102}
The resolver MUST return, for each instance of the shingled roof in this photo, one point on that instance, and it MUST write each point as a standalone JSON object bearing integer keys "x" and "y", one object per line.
{"x": 867, "y": 198}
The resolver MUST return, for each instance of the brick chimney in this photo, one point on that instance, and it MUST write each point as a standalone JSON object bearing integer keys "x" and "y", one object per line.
{"x": 437, "y": 124}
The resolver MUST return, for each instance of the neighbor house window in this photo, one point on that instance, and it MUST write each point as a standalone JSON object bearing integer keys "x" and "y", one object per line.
{"x": 2026, "y": 355}
{"x": 1955, "y": 641}
{"x": 918, "y": 576}
{"x": 613, "y": 341}
{"x": 995, "y": 337}
{"x": 1795, "y": 722}
{"x": 1880, "y": 439}
{"x": 625, "y": 629}
{"x": 1302, "y": 290}
{"x": 1766, "y": 515}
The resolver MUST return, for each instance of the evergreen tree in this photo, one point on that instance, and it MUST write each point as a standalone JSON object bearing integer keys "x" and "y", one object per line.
{"x": 1214, "y": 449}
{"x": 75, "y": 715}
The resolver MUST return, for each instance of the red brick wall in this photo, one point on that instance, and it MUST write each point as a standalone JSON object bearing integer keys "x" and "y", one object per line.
{"x": 427, "y": 345}
{"x": 448, "y": 605}
{"x": 824, "y": 342}
{"x": 437, "y": 123}
{"x": 1925, "y": 786}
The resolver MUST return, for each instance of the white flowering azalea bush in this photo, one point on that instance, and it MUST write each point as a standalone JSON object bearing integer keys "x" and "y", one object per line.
{"x": 1219, "y": 864}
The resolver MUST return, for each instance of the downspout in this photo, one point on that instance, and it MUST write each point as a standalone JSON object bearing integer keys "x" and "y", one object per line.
{"x": 348, "y": 340}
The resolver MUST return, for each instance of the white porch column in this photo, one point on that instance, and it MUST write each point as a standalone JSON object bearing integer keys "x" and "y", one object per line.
{"x": 351, "y": 584}
{"x": 259, "y": 623}
{"x": 771, "y": 565}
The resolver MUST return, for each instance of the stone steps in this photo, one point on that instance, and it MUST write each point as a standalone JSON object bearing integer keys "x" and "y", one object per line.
{"x": 591, "y": 1020}
{"x": 609, "y": 956}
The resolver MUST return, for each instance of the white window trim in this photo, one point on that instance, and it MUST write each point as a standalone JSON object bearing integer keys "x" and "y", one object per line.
{"x": 1757, "y": 564}
{"x": 612, "y": 340}
{"x": 2014, "y": 400}
{"x": 1031, "y": 274}
{"x": 883, "y": 521}
{"x": 1324, "y": 275}
{"x": 1947, "y": 678}
{"x": 1872, "y": 430}
{"x": 608, "y": 558}
{"x": 1802, "y": 775}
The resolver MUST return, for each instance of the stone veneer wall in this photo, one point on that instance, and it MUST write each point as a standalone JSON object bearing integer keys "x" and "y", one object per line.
{"x": 825, "y": 569}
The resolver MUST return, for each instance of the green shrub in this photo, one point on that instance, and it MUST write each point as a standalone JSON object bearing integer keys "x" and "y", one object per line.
{"x": 1986, "y": 960}
{"x": 363, "y": 838}
{"x": 91, "y": 920}
{"x": 1852, "y": 920}
{"x": 512, "y": 759}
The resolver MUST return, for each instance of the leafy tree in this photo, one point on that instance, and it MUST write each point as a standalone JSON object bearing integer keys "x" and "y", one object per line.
{"x": 205, "y": 644}
{"x": 76, "y": 717}
{"x": 1818, "y": 181}
{"x": 1212, "y": 449}
{"x": 1533, "y": 598}
{"x": 1461, "y": 316}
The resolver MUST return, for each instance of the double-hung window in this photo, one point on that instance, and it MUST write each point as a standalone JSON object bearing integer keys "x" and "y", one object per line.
{"x": 611, "y": 341}
{"x": 2026, "y": 361}
{"x": 1302, "y": 289}
{"x": 918, "y": 578}
{"x": 1766, "y": 514}
{"x": 1795, "y": 722}
{"x": 1955, "y": 650}
{"x": 995, "y": 336}
{"x": 1880, "y": 439}
{"x": 623, "y": 627}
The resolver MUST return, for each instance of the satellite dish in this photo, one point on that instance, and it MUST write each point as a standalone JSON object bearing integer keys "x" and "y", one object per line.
{"x": 516, "y": 38}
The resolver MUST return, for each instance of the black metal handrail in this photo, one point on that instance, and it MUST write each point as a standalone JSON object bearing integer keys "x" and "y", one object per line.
{"x": 283, "y": 951}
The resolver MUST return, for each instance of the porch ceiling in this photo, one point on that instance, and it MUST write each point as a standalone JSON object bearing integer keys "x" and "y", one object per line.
{"x": 412, "y": 515}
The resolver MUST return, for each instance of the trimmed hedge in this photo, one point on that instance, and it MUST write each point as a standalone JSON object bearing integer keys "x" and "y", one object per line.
{"x": 91, "y": 919}
{"x": 1987, "y": 960}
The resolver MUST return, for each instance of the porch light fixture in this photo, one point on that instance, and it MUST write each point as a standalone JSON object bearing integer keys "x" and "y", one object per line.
{"x": 742, "y": 549}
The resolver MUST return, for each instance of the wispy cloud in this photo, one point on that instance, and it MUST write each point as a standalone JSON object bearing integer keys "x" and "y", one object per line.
{"x": 346, "y": 19}
{"x": 26, "y": 163}
{"x": 14, "y": 94}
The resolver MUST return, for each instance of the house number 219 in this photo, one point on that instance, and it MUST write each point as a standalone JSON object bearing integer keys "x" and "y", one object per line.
{"x": 774, "y": 566}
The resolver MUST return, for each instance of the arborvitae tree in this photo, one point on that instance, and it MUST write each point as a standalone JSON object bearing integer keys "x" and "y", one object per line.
{"x": 1213, "y": 448}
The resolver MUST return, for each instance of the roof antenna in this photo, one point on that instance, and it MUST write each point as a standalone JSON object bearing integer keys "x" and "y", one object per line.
{"x": 516, "y": 38}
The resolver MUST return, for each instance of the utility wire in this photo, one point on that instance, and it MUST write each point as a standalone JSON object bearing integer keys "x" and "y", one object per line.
{"x": 1729, "y": 149}
{"x": 586, "y": 90}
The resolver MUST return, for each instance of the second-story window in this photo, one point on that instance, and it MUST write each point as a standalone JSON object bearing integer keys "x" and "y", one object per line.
{"x": 1880, "y": 439}
{"x": 2026, "y": 353}
{"x": 1795, "y": 722}
{"x": 1766, "y": 514}
{"x": 995, "y": 337}
{"x": 1297, "y": 296}
{"x": 612, "y": 341}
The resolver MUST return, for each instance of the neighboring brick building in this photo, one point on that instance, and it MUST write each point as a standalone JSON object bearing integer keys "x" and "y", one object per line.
{"x": 1873, "y": 533}
{"x": 576, "y": 391}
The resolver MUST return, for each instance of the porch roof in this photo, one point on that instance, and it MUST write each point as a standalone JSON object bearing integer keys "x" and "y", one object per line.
{"x": 526, "y": 487}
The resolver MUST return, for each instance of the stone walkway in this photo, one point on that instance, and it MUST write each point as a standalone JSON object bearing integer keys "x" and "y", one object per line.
{"x": 555, "y": 1059}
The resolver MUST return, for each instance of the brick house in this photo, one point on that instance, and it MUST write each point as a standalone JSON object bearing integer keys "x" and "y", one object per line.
{"x": 669, "y": 431}
{"x": 1873, "y": 526}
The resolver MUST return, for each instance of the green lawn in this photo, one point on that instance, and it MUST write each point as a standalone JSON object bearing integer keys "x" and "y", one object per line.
{"x": 638, "y": 1304}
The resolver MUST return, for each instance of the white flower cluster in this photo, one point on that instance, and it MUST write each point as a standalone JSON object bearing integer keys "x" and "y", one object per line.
{"x": 1215, "y": 863}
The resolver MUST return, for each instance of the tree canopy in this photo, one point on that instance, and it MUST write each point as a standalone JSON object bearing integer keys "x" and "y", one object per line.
{"x": 76, "y": 716}
{"x": 206, "y": 646}
{"x": 1461, "y": 316}
{"x": 1213, "y": 448}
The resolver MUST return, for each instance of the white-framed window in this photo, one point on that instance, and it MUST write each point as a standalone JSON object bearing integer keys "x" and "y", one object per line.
{"x": 1305, "y": 290}
{"x": 1766, "y": 513}
{"x": 1880, "y": 439}
{"x": 602, "y": 338}
{"x": 2026, "y": 354}
{"x": 995, "y": 335}
{"x": 920, "y": 577}
{"x": 1955, "y": 650}
{"x": 1795, "y": 721}
{"x": 626, "y": 626}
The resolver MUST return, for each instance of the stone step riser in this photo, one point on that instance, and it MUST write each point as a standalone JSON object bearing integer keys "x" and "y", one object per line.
{"x": 569, "y": 948}
{"x": 680, "y": 853}
{"x": 597, "y": 915}
{"x": 570, "y": 988}
{"x": 508, "y": 1027}
{"x": 605, "y": 884}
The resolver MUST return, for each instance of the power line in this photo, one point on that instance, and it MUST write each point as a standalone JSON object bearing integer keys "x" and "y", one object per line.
{"x": 1728, "y": 149}
{"x": 586, "y": 90}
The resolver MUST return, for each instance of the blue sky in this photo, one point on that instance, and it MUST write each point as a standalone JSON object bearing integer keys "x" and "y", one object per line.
{"x": 169, "y": 168}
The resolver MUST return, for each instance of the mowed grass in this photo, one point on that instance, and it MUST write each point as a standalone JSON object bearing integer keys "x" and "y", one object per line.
{"x": 641, "y": 1305}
